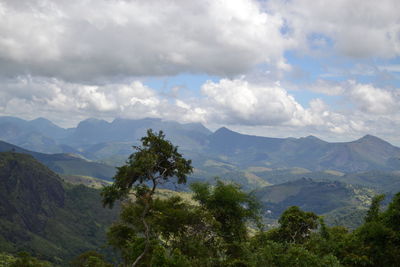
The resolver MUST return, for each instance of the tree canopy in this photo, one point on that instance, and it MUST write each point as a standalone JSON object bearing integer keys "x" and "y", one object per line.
{"x": 155, "y": 161}
{"x": 222, "y": 227}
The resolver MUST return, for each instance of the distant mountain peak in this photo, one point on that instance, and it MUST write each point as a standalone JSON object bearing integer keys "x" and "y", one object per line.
{"x": 312, "y": 138}
{"x": 371, "y": 138}
{"x": 224, "y": 130}
{"x": 40, "y": 119}
{"x": 43, "y": 122}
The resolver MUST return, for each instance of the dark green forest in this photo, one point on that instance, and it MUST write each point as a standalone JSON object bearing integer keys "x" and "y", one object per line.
{"x": 222, "y": 225}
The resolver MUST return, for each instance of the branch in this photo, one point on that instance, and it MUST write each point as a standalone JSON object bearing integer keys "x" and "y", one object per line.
{"x": 146, "y": 233}
{"x": 146, "y": 226}
{"x": 154, "y": 186}
{"x": 132, "y": 193}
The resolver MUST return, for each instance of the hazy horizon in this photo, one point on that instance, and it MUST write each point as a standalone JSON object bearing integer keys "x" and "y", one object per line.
{"x": 217, "y": 128}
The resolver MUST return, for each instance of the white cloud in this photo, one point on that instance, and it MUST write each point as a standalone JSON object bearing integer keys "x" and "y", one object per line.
{"x": 83, "y": 40}
{"x": 230, "y": 102}
{"x": 357, "y": 28}
{"x": 68, "y": 103}
{"x": 365, "y": 108}
{"x": 327, "y": 87}
{"x": 240, "y": 102}
{"x": 366, "y": 98}
{"x": 371, "y": 99}
{"x": 237, "y": 103}
{"x": 255, "y": 107}
{"x": 29, "y": 96}
{"x": 69, "y": 60}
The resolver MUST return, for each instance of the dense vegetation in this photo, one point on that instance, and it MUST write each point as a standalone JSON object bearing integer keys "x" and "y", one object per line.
{"x": 224, "y": 227}
{"x": 221, "y": 225}
{"x": 223, "y": 231}
{"x": 41, "y": 214}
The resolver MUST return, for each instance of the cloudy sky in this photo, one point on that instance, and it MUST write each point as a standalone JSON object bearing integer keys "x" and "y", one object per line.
{"x": 271, "y": 67}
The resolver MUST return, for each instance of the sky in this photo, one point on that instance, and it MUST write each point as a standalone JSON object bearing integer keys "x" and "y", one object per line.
{"x": 278, "y": 68}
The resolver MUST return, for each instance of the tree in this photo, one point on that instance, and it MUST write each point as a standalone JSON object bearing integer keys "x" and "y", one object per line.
{"x": 90, "y": 258}
{"x": 391, "y": 216}
{"x": 155, "y": 162}
{"x": 295, "y": 225}
{"x": 232, "y": 209}
{"x": 24, "y": 259}
{"x": 379, "y": 235}
{"x": 187, "y": 228}
{"x": 373, "y": 211}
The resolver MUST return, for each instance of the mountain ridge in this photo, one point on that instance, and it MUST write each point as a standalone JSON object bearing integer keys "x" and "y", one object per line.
{"x": 65, "y": 163}
{"x": 366, "y": 153}
{"x": 111, "y": 142}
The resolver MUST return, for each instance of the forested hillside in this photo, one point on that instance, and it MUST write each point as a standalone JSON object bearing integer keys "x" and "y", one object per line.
{"x": 69, "y": 164}
{"x": 41, "y": 214}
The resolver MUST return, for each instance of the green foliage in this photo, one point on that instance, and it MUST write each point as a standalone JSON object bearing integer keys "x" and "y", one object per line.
{"x": 391, "y": 216}
{"x": 162, "y": 258}
{"x": 340, "y": 203}
{"x": 45, "y": 216}
{"x": 379, "y": 236}
{"x": 231, "y": 208}
{"x": 294, "y": 243}
{"x": 90, "y": 259}
{"x": 373, "y": 212}
{"x": 323, "y": 229}
{"x": 24, "y": 259}
{"x": 176, "y": 226}
{"x": 213, "y": 229}
{"x": 296, "y": 225}
{"x": 155, "y": 161}
{"x": 171, "y": 232}
{"x": 270, "y": 253}
{"x": 6, "y": 259}
{"x": 350, "y": 217}
{"x": 214, "y": 233}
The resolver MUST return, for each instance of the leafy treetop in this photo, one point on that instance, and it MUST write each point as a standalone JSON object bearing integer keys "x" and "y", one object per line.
{"x": 155, "y": 162}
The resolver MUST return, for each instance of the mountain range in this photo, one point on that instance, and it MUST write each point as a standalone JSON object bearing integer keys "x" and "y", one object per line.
{"x": 38, "y": 159}
{"x": 212, "y": 152}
